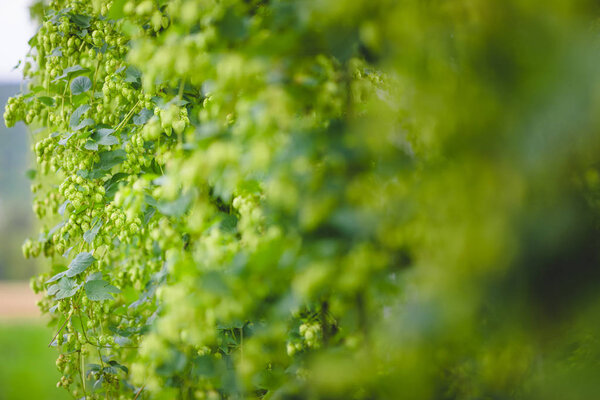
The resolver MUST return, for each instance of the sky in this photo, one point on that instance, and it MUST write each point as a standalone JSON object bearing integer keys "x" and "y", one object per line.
{"x": 16, "y": 28}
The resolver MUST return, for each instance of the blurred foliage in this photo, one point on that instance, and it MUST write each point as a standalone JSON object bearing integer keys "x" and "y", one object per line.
{"x": 24, "y": 371}
{"x": 16, "y": 221}
{"x": 319, "y": 199}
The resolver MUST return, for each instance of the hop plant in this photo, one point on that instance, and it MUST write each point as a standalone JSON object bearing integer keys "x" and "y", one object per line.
{"x": 281, "y": 199}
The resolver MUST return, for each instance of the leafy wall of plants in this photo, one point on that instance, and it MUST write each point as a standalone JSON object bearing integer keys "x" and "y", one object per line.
{"x": 316, "y": 199}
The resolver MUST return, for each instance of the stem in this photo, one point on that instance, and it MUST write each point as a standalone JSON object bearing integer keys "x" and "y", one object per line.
{"x": 138, "y": 393}
{"x": 60, "y": 329}
{"x": 181, "y": 87}
{"x": 126, "y": 119}
{"x": 81, "y": 367}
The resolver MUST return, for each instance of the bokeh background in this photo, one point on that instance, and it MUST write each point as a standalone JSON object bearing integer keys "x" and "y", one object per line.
{"x": 27, "y": 368}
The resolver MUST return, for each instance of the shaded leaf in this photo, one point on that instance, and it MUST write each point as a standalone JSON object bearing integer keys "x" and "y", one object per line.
{"x": 65, "y": 288}
{"x": 104, "y": 137}
{"x": 46, "y": 100}
{"x": 91, "y": 234}
{"x": 143, "y": 116}
{"x": 91, "y": 145}
{"x": 82, "y": 21}
{"x": 77, "y": 114}
{"x": 81, "y": 84}
{"x": 112, "y": 185}
{"x": 80, "y": 263}
{"x": 65, "y": 139}
{"x": 70, "y": 72}
{"x": 109, "y": 159}
{"x": 98, "y": 290}
{"x": 132, "y": 75}
{"x": 56, "y": 277}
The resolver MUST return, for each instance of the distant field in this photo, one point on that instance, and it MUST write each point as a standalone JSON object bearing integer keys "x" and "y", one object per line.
{"x": 27, "y": 368}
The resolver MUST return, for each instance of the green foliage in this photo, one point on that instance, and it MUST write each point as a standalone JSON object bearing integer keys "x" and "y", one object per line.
{"x": 26, "y": 370}
{"x": 318, "y": 199}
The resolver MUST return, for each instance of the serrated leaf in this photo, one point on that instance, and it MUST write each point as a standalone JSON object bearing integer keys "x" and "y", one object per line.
{"x": 143, "y": 116}
{"x": 77, "y": 114}
{"x": 86, "y": 122}
{"x": 98, "y": 290}
{"x": 103, "y": 137}
{"x": 81, "y": 84}
{"x": 132, "y": 75}
{"x": 56, "y": 277}
{"x": 82, "y": 21}
{"x": 52, "y": 290}
{"x": 112, "y": 185}
{"x": 91, "y": 145}
{"x": 70, "y": 72}
{"x": 80, "y": 263}
{"x": 90, "y": 235}
{"x": 109, "y": 159}
{"x": 94, "y": 277}
{"x": 63, "y": 141}
{"x": 66, "y": 288}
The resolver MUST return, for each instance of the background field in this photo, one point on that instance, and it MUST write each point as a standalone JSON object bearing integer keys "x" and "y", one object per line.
{"x": 26, "y": 363}
{"x": 27, "y": 368}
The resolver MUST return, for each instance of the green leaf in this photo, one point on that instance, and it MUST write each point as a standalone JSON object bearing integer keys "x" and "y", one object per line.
{"x": 82, "y": 21}
{"x": 63, "y": 141}
{"x": 64, "y": 288}
{"x": 63, "y": 207}
{"x": 103, "y": 137}
{"x": 86, "y": 122}
{"x": 77, "y": 114}
{"x": 98, "y": 290}
{"x": 82, "y": 34}
{"x": 109, "y": 159}
{"x": 91, "y": 145}
{"x": 56, "y": 52}
{"x": 94, "y": 277}
{"x": 90, "y": 235}
{"x": 132, "y": 75}
{"x": 52, "y": 290}
{"x": 112, "y": 185}
{"x": 56, "y": 277}
{"x": 70, "y": 72}
{"x": 80, "y": 263}
{"x": 176, "y": 207}
{"x": 81, "y": 84}
{"x": 46, "y": 100}
{"x": 143, "y": 116}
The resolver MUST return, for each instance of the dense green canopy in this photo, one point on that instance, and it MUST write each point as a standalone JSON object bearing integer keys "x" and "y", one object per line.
{"x": 321, "y": 199}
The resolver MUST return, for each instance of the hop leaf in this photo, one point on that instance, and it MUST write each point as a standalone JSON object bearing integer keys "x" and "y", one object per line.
{"x": 81, "y": 84}
{"x": 98, "y": 290}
